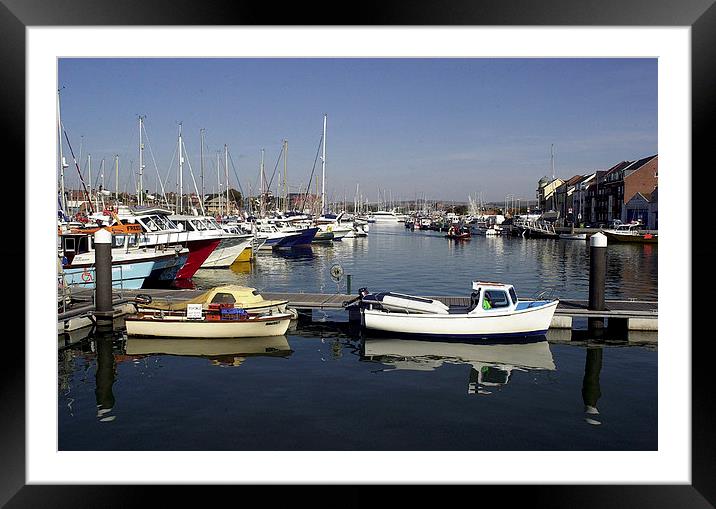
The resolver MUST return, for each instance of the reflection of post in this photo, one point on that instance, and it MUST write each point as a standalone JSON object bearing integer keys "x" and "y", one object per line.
{"x": 591, "y": 391}
{"x": 597, "y": 279}
{"x": 104, "y": 378}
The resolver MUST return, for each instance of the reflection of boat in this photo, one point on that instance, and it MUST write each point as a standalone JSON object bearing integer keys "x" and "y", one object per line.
{"x": 573, "y": 236}
{"x": 491, "y": 364}
{"x": 494, "y": 312}
{"x": 241, "y": 296}
{"x": 224, "y": 322}
{"x": 274, "y": 345}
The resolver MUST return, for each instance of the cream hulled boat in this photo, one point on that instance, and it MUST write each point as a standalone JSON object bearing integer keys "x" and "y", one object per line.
{"x": 195, "y": 323}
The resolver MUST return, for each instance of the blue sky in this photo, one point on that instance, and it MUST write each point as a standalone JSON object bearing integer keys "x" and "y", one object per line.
{"x": 443, "y": 128}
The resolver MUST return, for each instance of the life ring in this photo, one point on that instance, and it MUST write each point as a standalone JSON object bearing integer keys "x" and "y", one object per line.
{"x": 87, "y": 276}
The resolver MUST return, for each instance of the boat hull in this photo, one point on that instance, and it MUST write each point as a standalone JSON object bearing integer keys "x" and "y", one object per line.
{"x": 182, "y": 328}
{"x": 533, "y": 321}
{"x": 305, "y": 238}
{"x": 226, "y": 253}
{"x": 635, "y": 239}
{"x": 199, "y": 251}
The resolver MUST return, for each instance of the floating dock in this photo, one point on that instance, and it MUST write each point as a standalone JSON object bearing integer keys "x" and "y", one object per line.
{"x": 628, "y": 314}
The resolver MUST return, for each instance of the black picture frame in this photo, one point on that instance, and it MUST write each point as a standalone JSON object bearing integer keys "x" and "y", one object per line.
{"x": 700, "y": 15}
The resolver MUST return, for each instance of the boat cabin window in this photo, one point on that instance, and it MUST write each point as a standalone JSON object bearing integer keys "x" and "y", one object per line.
{"x": 474, "y": 299}
{"x": 497, "y": 298}
{"x": 118, "y": 240}
{"x": 77, "y": 245}
{"x": 513, "y": 295}
{"x": 70, "y": 244}
{"x": 198, "y": 225}
{"x": 223, "y": 298}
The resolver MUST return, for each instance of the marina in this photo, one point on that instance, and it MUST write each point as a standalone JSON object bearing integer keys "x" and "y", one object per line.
{"x": 236, "y": 299}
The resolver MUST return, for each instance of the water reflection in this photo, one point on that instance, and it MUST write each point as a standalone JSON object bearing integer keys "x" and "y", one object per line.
{"x": 491, "y": 365}
{"x": 591, "y": 391}
{"x": 220, "y": 352}
{"x": 297, "y": 253}
{"x": 105, "y": 377}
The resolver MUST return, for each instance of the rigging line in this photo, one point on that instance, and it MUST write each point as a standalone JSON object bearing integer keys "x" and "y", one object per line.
{"x": 156, "y": 168}
{"x": 89, "y": 201}
{"x": 171, "y": 163}
{"x": 231, "y": 159}
{"x": 278, "y": 160}
{"x": 191, "y": 172}
{"x": 308, "y": 187}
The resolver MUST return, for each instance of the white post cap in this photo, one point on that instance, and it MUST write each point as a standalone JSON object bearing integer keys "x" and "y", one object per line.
{"x": 598, "y": 240}
{"x": 102, "y": 236}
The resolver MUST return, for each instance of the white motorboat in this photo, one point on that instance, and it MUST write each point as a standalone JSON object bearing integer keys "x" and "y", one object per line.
{"x": 131, "y": 265}
{"x": 632, "y": 232}
{"x": 494, "y": 312}
{"x": 383, "y": 216}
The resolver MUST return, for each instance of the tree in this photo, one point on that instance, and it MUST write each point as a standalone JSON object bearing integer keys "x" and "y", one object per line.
{"x": 236, "y": 197}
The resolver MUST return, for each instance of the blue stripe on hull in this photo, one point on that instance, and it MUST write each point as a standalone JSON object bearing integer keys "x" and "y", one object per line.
{"x": 305, "y": 238}
{"x": 538, "y": 335}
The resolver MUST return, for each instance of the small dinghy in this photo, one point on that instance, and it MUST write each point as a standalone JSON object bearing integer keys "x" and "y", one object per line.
{"x": 456, "y": 233}
{"x": 494, "y": 312}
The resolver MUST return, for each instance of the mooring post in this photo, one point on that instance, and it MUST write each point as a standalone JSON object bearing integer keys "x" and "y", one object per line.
{"x": 103, "y": 278}
{"x": 597, "y": 278}
{"x": 348, "y": 283}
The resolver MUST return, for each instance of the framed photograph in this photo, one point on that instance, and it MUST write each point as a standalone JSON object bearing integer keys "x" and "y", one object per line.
{"x": 404, "y": 113}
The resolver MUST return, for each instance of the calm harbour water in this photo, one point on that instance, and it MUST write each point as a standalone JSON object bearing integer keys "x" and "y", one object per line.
{"x": 326, "y": 386}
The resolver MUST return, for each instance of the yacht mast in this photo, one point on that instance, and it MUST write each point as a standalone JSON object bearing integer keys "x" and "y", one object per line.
{"x": 226, "y": 172}
{"x": 261, "y": 172}
{"x": 62, "y": 159}
{"x": 89, "y": 169}
{"x": 218, "y": 183}
{"x": 141, "y": 163}
{"x": 181, "y": 172}
{"x": 116, "y": 178}
{"x": 285, "y": 163}
{"x": 201, "y": 148}
{"x": 323, "y": 165}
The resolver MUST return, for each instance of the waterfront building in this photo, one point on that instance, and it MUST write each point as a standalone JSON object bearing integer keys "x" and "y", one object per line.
{"x": 564, "y": 198}
{"x": 546, "y": 197}
{"x": 580, "y": 199}
{"x": 643, "y": 207}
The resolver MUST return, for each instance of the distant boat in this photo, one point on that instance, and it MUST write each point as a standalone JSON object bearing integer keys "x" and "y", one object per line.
{"x": 631, "y": 233}
{"x": 494, "y": 312}
{"x": 385, "y": 217}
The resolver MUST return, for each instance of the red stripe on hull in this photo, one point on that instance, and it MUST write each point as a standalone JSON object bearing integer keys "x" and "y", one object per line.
{"x": 199, "y": 251}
